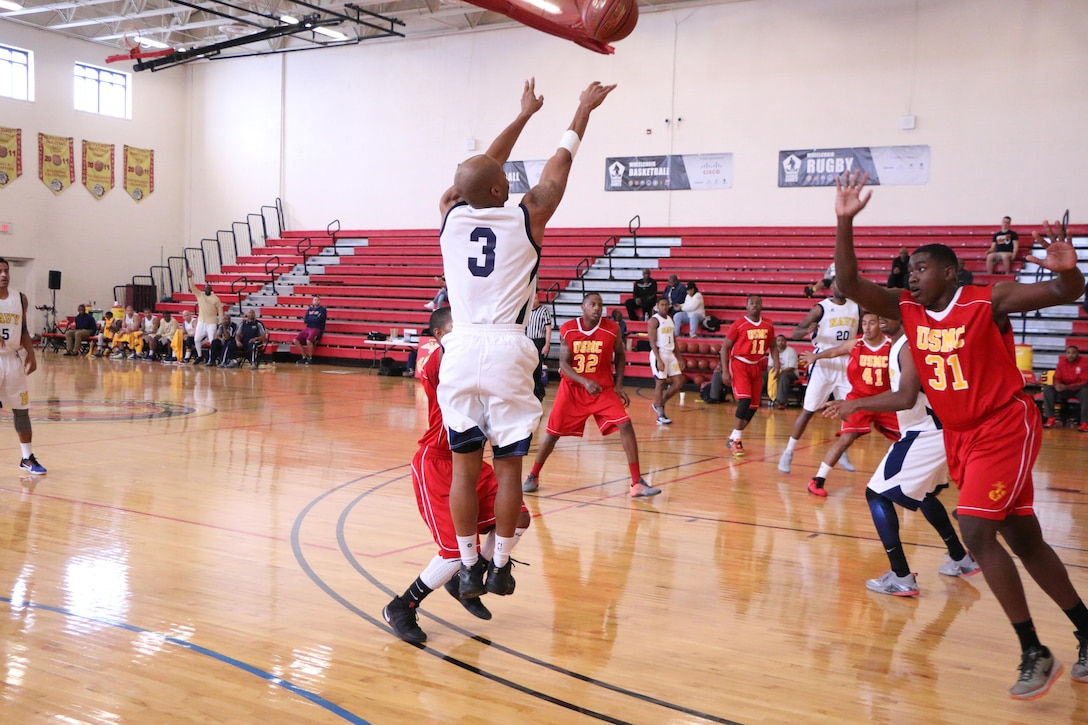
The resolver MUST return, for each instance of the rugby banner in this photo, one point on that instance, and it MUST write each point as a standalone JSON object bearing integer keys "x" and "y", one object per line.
{"x": 11, "y": 155}
{"x": 675, "y": 172}
{"x": 98, "y": 168}
{"x": 139, "y": 172}
{"x": 55, "y": 167}
{"x": 886, "y": 165}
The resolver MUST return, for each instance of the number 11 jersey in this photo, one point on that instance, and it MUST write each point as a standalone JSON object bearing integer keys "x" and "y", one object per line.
{"x": 490, "y": 261}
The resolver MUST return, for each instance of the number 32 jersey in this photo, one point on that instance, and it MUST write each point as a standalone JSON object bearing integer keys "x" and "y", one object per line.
{"x": 490, "y": 261}
{"x": 967, "y": 365}
{"x": 591, "y": 351}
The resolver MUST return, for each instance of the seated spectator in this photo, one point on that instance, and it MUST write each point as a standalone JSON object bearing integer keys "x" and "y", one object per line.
{"x": 787, "y": 374}
{"x": 158, "y": 342}
{"x": 224, "y": 335}
{"x": 617, "y": 317}
{"x": 441, "y": 297}
{"x": 313, "y": 327}
{"x": 184, "y": 343}
{"x": 676, "y": 293}
{"x": 249, "y": 342}
{"x": 111, "y": 327}
{"x": 79, "y": 331}
{"x": 897, "y": 278}
{"x": 643, "y": 297}
{"x": 1003, "y": 248}
{"x": 963, "y": 275}
{"x": 1070, "y": 380}
{"x": 825, "y": 283}
{"x": 692, "y": 312}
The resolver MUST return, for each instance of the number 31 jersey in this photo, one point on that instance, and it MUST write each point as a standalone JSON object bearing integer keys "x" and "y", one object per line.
{"x": 967, "y": 365}
{"x": 490, "y": 261}
{"x": 591, "y": 351}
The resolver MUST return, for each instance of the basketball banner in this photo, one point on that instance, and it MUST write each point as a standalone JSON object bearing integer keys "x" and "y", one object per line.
{"x": 523, "y": 175}
{"x": 55, "y": 167}
{"x": 139, "y": 172}
{"x": 11, "y": 155}
{"x": 675, "y": 172}
{"x": 886, "y": 165}
{"x": 98, "y": 168}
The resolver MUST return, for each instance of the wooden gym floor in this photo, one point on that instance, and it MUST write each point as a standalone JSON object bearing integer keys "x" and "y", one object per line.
{"x": 217, "y": 546}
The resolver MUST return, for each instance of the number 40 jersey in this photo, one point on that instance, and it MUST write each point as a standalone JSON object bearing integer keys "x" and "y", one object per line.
{"x": 490, "y": 261}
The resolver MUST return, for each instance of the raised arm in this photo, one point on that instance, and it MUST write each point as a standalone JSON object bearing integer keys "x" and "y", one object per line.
{"x": 543, "y": 199}
{"x": 849, "y": 201}
{"x": 804, "y": 328}
{"x": 1065, "y": 287}
{"x": 503, "y": 144}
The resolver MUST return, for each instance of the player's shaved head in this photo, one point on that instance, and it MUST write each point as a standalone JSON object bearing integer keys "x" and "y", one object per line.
{"x": 481, "y": 182}
{"x": 441, "y": 319}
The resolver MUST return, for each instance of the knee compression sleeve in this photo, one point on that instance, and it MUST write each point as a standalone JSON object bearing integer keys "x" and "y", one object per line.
{"x": 22, "y": 420}
{"x": 745, "y": 411}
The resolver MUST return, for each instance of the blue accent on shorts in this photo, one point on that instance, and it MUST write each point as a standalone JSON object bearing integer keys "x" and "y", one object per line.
{"x": 468, "y": 441}
{"x": 519, "y": 449}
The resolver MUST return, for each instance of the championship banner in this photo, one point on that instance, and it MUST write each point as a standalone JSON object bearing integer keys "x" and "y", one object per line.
{"x": 55, "y": 162}
{"x": 11, "y": 155}
{"x": 139, "y": 172}
{"x": 886, "y": 165}
{"x": 677, "y": 172}
{"x": 98, "y": 168}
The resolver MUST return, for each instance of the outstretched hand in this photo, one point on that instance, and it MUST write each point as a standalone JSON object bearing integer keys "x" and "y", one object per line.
{"x": 595, "y": 94}
{"x": 530, "y": 101}
{"x": 849, "y": 199}
{"x": 1060, "y": 254}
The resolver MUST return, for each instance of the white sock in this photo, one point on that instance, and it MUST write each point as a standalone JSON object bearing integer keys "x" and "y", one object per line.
{"x": 439, "y": 571}
{"x": 487, "y": 546}
{"x": 735, "y": 435}
{"x": 28, "y": 449}
{"x": 824, "y": 470}
{"x": 503, "y": 546}
{"x": 467, "y": 546}
{"x": 791, "y": 445}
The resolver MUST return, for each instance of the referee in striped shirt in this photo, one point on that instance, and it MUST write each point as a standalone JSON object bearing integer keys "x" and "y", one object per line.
{"x": 540, "y": 332}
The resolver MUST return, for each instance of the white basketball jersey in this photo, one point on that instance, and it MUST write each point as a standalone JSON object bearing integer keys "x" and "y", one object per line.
{"x": 837, "y": 324}
{"x": 920, "y": 417}
{"x": 11, "y": 323}
{"x": 490, "y": 261}
{"x": 666, "y": 333}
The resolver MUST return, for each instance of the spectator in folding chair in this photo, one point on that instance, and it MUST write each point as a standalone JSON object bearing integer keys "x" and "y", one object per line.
{"x": 111, "y": 326}
{"x": 79, "y": 331}
{"x": 159, "y": 342}
{"x": 224, "y": 335}
{"x": 182, "y": 345}
{"x": 249, "y": 342}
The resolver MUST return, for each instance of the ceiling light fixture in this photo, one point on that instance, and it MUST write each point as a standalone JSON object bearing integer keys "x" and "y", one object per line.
{"x": 148, "y": 42}
{"x": 284, "y": 18}
{"x": 9, "y": 5}
{"x": 334, "y": 34}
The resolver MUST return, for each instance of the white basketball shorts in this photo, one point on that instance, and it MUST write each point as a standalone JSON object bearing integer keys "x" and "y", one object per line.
{"x": 915, "y": 464}
{"x": 13, "y": 387}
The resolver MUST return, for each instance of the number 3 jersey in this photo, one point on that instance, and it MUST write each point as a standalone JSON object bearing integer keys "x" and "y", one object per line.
{"x": 591, "y": 350}
{"x": 490, "y": 261}
{"x": 967, "y": 365}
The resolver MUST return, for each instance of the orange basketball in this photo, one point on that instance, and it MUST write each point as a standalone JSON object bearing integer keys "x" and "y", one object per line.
{"x": 609, "y": 20}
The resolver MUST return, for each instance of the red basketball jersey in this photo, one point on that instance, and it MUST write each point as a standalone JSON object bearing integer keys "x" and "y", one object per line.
{"x": 751, "y": 340}
{"x": 591, "y": 351}
{"x": 967, "y": 365}
{"x": 436, "y": 437}
{"x": 867, "y": 370}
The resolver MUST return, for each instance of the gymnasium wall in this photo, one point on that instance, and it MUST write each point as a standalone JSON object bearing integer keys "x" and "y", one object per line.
{"x": 372, "y": 132}
{"x": 94, "y": 243}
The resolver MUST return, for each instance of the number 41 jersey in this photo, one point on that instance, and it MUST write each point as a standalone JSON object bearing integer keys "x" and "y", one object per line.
{"x": 490, "y": 261}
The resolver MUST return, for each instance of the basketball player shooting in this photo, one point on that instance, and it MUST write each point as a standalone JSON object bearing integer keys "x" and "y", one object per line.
{"x": 490, "y": 255}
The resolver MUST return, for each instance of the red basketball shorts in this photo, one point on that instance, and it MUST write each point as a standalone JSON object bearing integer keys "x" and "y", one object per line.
{"x": 573, "y": 406}
{"x": 992, "y": 462}
{"x": 747, "y": 379}
{"x": 862, "y": 421}
{"x": 432, "y": 472}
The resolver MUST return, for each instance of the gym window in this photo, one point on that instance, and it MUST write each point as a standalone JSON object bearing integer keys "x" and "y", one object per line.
{"x": 16, "y": 73}
{"x": 102, "y": 91}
